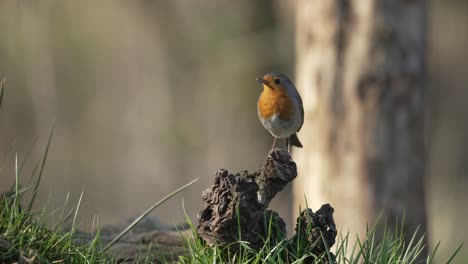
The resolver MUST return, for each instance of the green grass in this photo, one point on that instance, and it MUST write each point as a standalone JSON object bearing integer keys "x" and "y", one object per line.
{"x": 25, "y": 236}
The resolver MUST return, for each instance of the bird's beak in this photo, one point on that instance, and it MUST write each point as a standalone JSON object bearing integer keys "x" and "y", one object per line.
{"x": 265, "y": 82}
{"x": 260, "y": 80}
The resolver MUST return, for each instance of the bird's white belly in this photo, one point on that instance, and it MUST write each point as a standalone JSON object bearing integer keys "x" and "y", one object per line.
{"x": 280, "y": 128}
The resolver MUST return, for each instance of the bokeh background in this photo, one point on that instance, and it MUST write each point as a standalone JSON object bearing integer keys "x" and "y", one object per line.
{"x": 148, "y": 95}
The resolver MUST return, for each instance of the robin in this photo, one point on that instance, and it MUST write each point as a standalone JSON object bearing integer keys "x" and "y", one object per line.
{"x": 280, "y": 109}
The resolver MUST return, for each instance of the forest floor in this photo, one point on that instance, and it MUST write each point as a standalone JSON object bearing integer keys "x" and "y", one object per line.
{"x": 25, "y": 237}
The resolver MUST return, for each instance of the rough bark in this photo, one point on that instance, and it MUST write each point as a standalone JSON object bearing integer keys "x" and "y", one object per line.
{"x": 235, "y": 204}
{"x": 360, "y": 70}
{"x": 312, "y": 226}
{"x": 235, "y": 208}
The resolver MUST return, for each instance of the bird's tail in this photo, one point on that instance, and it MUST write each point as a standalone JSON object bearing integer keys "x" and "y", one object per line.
{"x": 294, "y": 141}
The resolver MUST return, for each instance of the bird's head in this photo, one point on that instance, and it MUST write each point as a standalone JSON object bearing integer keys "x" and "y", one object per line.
{"x": 275, "y": 81}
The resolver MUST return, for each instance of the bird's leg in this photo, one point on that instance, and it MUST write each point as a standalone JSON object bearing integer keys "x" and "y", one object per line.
{"x": 287, "y": 143}
{"x": 274, "y": 144}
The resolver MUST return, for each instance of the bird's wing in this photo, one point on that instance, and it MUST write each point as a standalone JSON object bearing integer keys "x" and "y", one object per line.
{"x": 299, "y": 99}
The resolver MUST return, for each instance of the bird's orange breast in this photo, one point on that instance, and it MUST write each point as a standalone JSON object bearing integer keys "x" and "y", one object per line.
{"x": 275, "y": 101}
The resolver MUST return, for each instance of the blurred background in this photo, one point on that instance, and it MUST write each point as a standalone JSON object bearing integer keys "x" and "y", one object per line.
{"x": 148, "y": 95}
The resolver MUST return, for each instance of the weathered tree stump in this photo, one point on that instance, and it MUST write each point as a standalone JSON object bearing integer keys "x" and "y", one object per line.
{"x": 312, "y": 226}
{"x": 236, "y": 208}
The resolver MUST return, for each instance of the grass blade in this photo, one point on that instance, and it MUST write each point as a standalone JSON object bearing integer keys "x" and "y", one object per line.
{"x": 76, "y": 212}
{"x": 16, "y": 202}
{"x": 26, "y": 158}
{"x": 2, "y": 90}
{"x": 39, "y": 177}
{"x": 431, "y": 256}
{"x": 149, "y": 210}
{"x": 7, "y": 155}
{"x": 327, "y": 249}
{"x": 454, "y": 254}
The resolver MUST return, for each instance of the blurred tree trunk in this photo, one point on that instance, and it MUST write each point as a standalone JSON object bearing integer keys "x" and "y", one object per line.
{"x": 361, "y": 72}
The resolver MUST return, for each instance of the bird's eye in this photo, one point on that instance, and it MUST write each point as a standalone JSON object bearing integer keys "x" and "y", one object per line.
{"x": 278, "y": 81}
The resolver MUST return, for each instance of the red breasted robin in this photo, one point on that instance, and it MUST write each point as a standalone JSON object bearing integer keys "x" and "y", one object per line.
{"x": 280, "y": 109}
